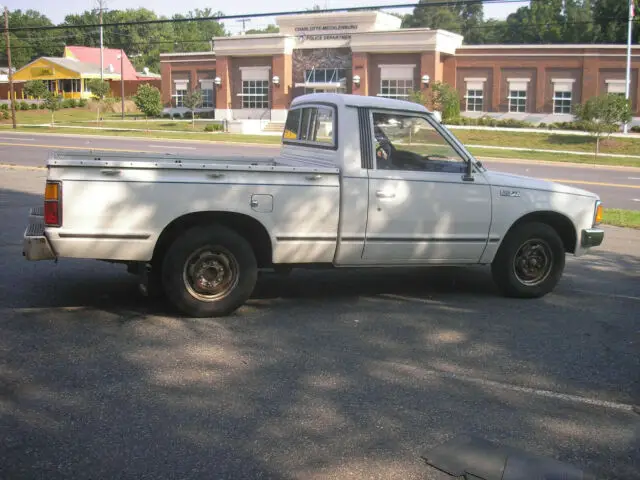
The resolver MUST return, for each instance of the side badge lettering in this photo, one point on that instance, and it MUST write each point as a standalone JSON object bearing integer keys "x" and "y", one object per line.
{"x": 509, "y": 193}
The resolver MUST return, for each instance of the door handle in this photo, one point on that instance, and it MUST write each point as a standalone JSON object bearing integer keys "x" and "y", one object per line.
{"x": 313, "y": 177}
{"x": 383, "y": 194}
{"x": 215, "y": 175}
{"x": 110, "y": 173}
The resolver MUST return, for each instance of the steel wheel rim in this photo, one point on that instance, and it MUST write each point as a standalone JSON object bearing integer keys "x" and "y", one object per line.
{"x": 210, "y": 273}
{"x": 532, "y": 262}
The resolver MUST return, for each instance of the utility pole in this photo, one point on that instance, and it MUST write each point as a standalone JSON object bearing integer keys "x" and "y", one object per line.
{"x": 101, "y": 6}
{"x": 243, "y": 21}
{"x": 628, "y": 82}
{"x": 8, "y": 42}
{"x": 122, "y": 80}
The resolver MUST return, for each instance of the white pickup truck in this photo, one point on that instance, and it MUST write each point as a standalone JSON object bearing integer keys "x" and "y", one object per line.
{"x": 359, "y": 182}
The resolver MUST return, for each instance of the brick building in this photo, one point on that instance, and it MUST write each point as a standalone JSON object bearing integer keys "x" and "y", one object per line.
{"x": 255, "y": 77}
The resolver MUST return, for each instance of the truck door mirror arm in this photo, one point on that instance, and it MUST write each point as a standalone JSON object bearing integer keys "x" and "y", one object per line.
{"x": 468, "y": 174}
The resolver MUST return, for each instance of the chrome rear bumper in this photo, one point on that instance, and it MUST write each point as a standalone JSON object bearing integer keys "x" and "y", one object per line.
{"x": 35, "y": 244}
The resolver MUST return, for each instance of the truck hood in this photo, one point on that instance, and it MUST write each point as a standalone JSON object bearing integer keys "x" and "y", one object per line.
{"x": 500, "y": 179}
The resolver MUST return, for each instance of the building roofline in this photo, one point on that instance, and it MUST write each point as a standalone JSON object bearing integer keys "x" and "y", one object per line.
{"x": 188, "y": 54}
{"x": 546, "y": 46}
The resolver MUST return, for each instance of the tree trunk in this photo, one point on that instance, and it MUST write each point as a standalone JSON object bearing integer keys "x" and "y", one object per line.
{"x": 52, "y": 118}
{"x": 193, "y": 119}
{"x": 595, "y": 158}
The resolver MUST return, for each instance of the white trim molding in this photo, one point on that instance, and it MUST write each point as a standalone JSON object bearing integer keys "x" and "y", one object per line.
{"x": 563, "y": 84}
{"x": 397, "y": 72}
{"x": 615, "y": 85}
{"x": 475, "y": 83}
{"x": 255, "y": 73}
{"x": 518, "y": 84}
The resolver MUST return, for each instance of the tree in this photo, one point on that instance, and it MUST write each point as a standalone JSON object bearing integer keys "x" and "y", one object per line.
{"x": 148, "y": 100}
{"x": 416, "y": 96}
{"x": 271, "y": 28}
{"x": 27, "y": 45}
{"x": 99, "y": 91}
{"x": 463, "y": 19}
{"x": 35, "y": 88}
{"x": 446, "y": 100}
{"x": 193, "y": 100}
{"x": 602, "y": 115}
{"x": 53, "y": 103}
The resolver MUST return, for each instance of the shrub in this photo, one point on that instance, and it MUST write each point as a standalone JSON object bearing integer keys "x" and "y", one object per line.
{"x": 33, "y": 106}
{"x": 148, "y": 100}
{"x": 213, "y": 127}
{"x": 23, "y": 105}
{"x": 635, "y": 129}
{"x": 82, "y": 103}
{"x": 4, "y": 107}
{"x": 446, "y": 100}
{"x": 5, "y": 114}
{"x": 69, "y": 103}
{"x": 35, "y": 88}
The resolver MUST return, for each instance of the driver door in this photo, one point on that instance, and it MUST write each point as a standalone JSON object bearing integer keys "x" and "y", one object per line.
{"x": 421, "y": 210}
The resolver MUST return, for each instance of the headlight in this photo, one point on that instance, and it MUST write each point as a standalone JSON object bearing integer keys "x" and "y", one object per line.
{"x": 597, "y": 216}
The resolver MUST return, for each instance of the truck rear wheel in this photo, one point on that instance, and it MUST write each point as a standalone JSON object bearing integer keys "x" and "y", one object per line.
{"x": 530, "y": 261}
{"x": 209, "y": 271}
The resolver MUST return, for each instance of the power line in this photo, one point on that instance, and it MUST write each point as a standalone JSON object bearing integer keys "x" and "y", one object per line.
{"x": 475, "y": 27}
{"x": 270, "y": 14}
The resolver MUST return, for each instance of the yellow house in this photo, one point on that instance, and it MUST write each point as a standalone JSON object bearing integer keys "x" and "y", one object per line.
{"x": 65, "y": 76}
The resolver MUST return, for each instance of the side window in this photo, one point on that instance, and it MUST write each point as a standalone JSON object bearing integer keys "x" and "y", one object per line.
{"x": 311, "y": 125}
{"x": 407, "y": 142}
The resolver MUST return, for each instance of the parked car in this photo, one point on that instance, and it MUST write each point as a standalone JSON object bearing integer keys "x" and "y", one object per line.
{"x": 382, "y": 184}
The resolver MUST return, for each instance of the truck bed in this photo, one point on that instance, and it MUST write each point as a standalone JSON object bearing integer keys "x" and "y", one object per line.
{"x": 115, "y": 206}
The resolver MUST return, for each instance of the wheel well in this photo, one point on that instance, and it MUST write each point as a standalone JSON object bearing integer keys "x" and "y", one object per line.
{"x": 561, "y": 224}
{"x": 250, "y": 228}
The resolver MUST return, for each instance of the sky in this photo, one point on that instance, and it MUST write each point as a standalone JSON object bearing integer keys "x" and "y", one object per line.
{"x": 57, "y": 10}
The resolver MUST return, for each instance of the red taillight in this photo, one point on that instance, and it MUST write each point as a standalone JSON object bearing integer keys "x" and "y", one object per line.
{"x": 53, "y": 204}
{"x": 51, "y": 214}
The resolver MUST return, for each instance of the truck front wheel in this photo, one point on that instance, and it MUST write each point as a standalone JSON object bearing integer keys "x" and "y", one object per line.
{"x": 209, "y": 271}
{"x": 530, "y": 261}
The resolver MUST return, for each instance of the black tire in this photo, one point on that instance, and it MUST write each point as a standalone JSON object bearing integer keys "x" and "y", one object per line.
{"x": 530, "y": 261}
{"x": 198, "y": 255}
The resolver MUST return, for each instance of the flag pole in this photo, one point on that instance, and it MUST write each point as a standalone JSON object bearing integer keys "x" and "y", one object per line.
{"x": 628, "y": 82}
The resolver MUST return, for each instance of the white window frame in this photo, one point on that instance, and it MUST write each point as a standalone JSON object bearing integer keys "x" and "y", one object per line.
{"x": 206, "y": 85}
{"x": 562, "y": 85}
{"x": 181, "y": 86}
{"x": 616, "y": 86}
{"x": 474, "y": 84}
{"x": 518, "y": 85}
{"x": 250, "y": 78}
{"x": 398, "y": 77}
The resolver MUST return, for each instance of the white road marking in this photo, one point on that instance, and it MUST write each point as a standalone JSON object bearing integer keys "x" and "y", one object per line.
{"x": 635, "y": 199}
{"x": 567, "y": 397}
{"x": 633, "y": 178}
{"x": 18, "y": 138}
{"x": 172, "y": 146}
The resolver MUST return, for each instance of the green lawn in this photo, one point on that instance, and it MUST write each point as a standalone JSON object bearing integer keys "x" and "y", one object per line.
{"x": 488, "y": 153}
{"x": 548, "y": 141}
{"x": 160, "y": 129}
{"x": 621, "y": 218}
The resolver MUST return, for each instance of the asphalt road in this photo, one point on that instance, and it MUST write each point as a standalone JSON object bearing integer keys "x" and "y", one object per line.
{"x": 322, "y": 375}
{"x": 618, "y": 187}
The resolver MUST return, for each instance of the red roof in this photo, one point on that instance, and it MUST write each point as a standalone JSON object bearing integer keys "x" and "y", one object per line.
{"x": 110, "y": 57}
